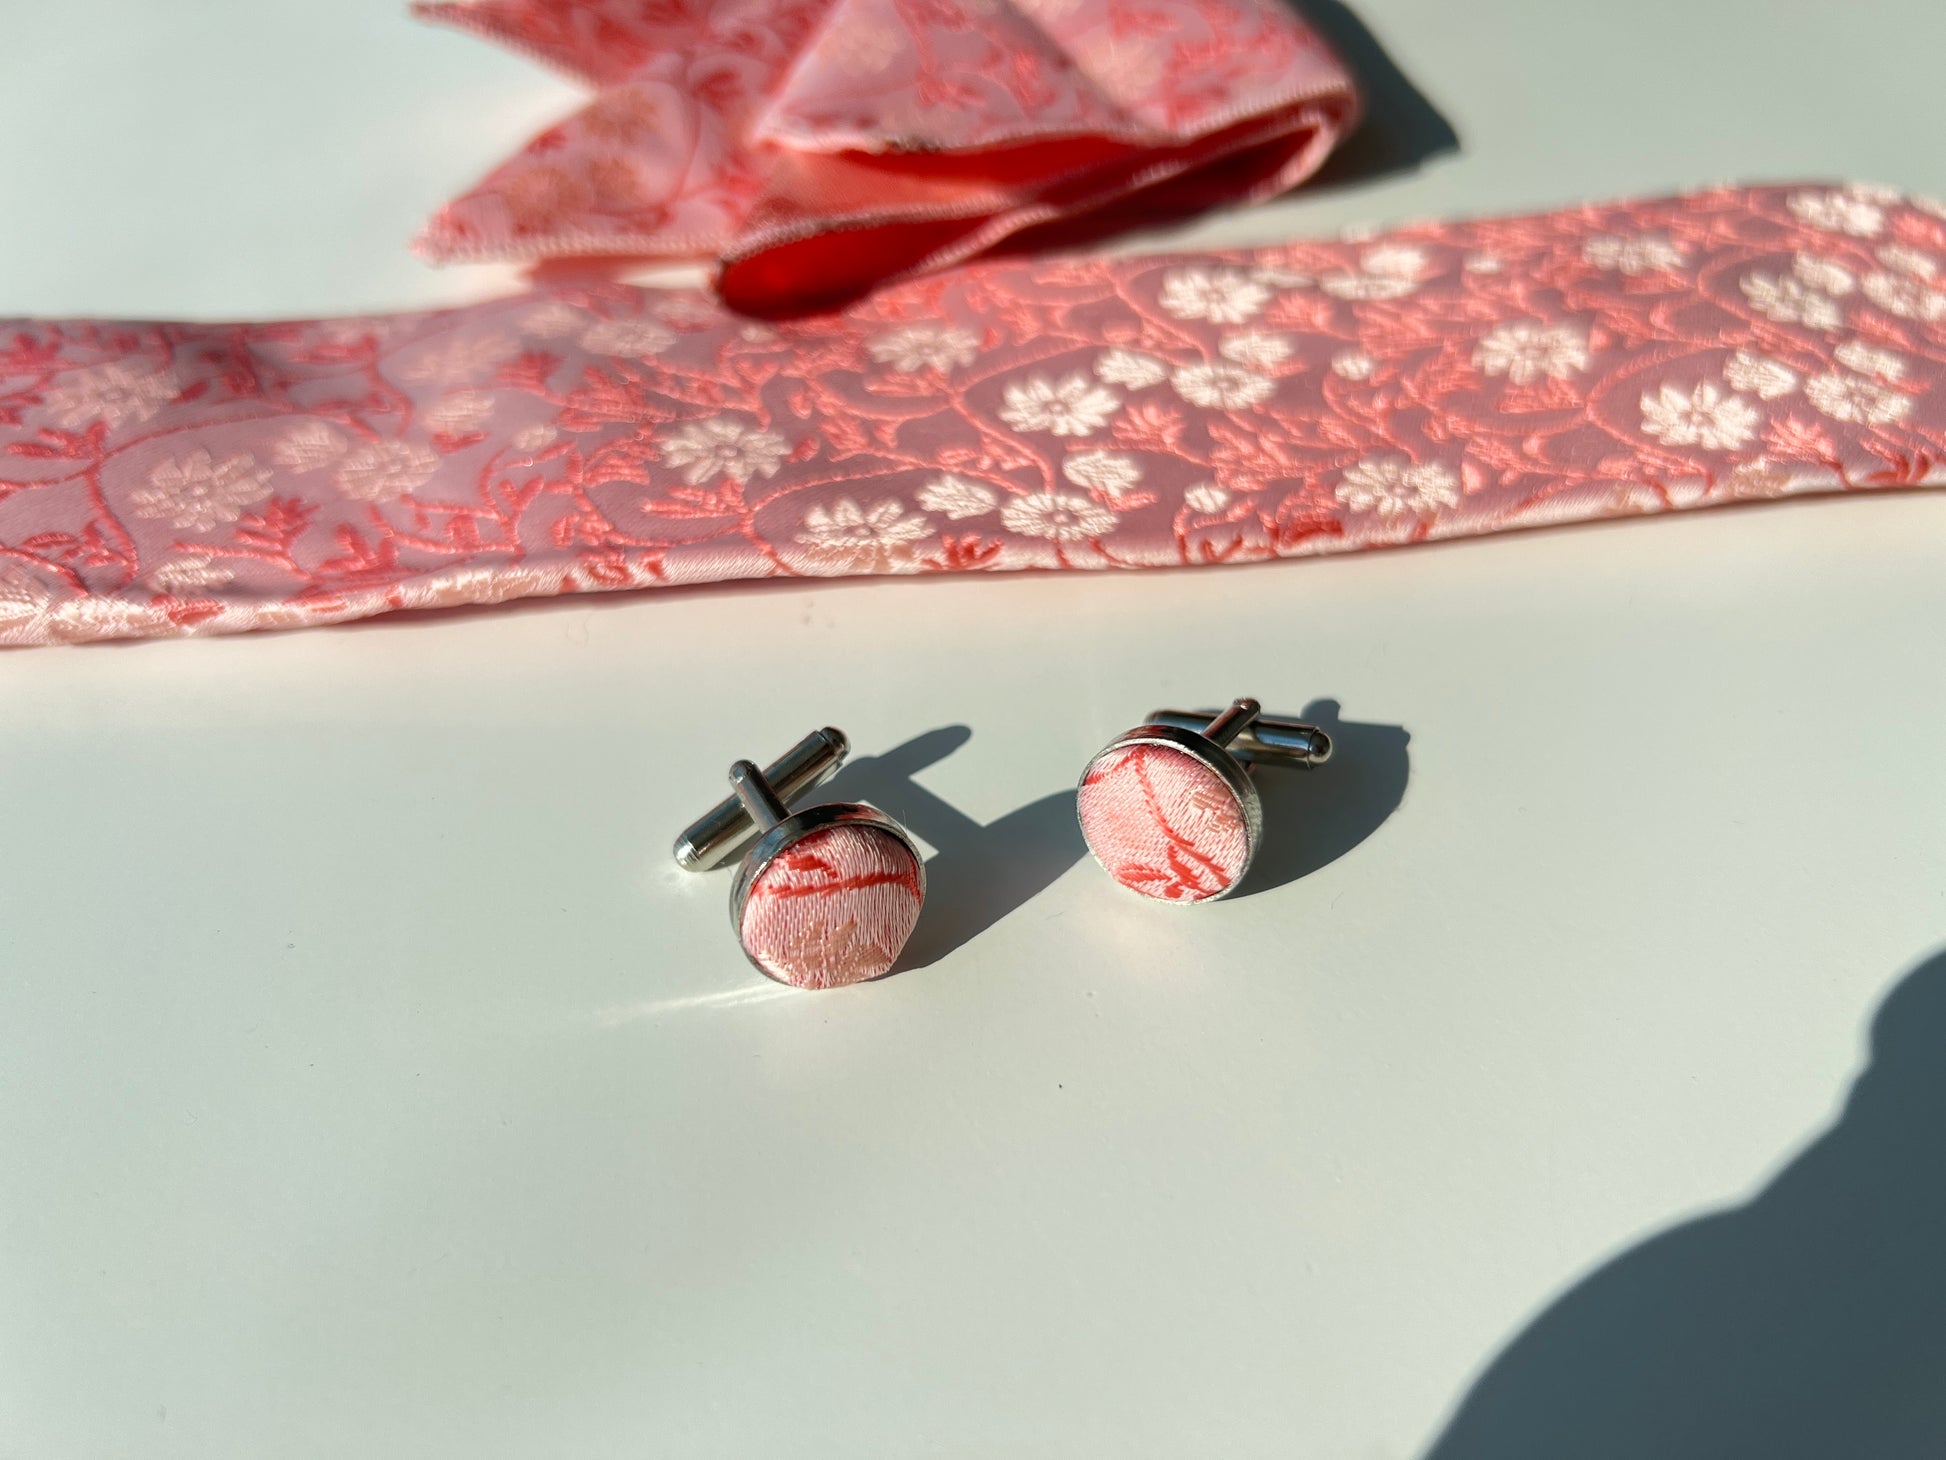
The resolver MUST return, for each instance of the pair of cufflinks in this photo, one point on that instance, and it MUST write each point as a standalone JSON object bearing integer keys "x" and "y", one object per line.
{"x": 828, "y": 895}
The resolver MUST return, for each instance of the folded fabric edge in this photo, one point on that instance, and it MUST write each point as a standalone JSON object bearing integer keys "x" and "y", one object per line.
{"x": 758, "y": 275}
{"x": 471, "y": 227}
{"x": 31, "y": 620}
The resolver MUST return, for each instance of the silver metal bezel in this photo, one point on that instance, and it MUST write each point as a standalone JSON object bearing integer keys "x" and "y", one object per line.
{"x": 1213, "y": 757}
{"x": 793, "y": 829}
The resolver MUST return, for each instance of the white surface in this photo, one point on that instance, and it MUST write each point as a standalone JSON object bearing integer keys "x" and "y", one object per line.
{"x": 370, "y": 1085}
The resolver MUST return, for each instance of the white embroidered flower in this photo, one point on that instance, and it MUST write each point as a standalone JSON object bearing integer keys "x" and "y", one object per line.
{"x": 458, "y": 415}
{"x": 1527, "y": 350}
{"x": 379, "y": 471}
{"x": 1905, "y": 296}
{"x": 1221, "y": 387}
{"x": 1842, "y": 212}
{"x": 353, "y": 333}
{"x": 1205, "y": 497}
{"x": 34, "y": 612}
{"x": 116, "y": 395}
{"x": 463, "y": 358}
{"x": 720, "y": 447}
{"x": 1057, "y": 515}
{"x": 1759, "y": 480}
{"x": 1390, "y": 485}
{"x": 1126, "y": 367}
{"x": 1908, "y": 261}
{"x": 925, "y": 347}
{"x": 1108, "y": 472}
{"x": 1365, "y": 286}
{"x": 874, "y": 540}
{"x": 1394, "y": 261}
{"x": 1068, "y": 407}
{"x": 1824, "y": 274}
{"x": 1221, "y": 296}
{"x": 956, "y": 497}
{"x": 1481, "y": 263}
{"x": 1135, "y": 62}
{"x": 308, "y": 445}
{"x": 553, "y": 320}
{"x": 632, "y": 338}
{"x": 1256, "y": 349}
{"x": 195, "y": 491}
{"x": 1765, "y": 378}
{"x": 30, "y": 613}
{"x": 189, "y": 573}
{"x": 1870, "y": 360}
{"x": 24, "y": 602}
{"x": 1882, "y": 193}
{"x": 1704, "y": 417}
{"x": 1854, "y": 398}
{"x": 269, "y": 614}
{"x": 1353, "y": 365}
{"x": 688, "y": 309}
{"x": 863, "y": 50}
{"x": 1791, "y": 301}
{"x": 1633, "y": 253}
{"x": 534, "y": 438}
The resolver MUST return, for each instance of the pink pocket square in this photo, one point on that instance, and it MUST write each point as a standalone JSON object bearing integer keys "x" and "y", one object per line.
{"x": 815, "y": 148}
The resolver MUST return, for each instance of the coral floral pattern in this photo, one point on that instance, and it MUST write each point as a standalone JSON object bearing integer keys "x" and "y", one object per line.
{"x": 920, "y": 131}
{"x": 833, "y": 908}
{"x": 1438, "y": 381}
{"x": 1163, "y": 824}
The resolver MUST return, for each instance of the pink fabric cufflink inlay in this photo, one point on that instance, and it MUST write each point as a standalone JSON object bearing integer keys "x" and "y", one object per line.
{"x": 1163, "y": 824}
{"x": 833, "y": 908}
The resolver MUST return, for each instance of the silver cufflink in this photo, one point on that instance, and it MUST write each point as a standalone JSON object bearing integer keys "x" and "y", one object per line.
{"x": 1169, "y": 809}
{"x": 825, "y": 896}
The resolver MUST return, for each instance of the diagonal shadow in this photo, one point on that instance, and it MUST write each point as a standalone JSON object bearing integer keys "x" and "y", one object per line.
{"x": 979, "y": 872}
{"x": 1400, "y": 130}
{"x": 1807, "y": 1324}
{"x": 1313, "y": 815}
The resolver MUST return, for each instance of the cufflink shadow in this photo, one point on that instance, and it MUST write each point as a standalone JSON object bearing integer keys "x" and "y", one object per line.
{"x": 978, "y": 872}
{"x": 1313, "y": 815}
{"x": 1400, "y": 131}
{"x": 1806, "y": 1323}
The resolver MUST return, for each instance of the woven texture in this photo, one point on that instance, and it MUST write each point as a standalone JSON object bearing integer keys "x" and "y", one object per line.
{"x": 820, "y": 146}
{"x": 834, "y": 908}
{"x": 1441, "y": 380}
{"x": 1163, "y": 824}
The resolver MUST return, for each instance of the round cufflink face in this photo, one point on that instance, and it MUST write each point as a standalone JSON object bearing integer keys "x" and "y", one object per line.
{"x": 829, "y": 897}
{"x": 1170, "y": 815}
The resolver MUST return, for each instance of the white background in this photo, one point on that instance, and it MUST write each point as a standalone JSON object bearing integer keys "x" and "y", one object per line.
{"x": 371, "y": 1084}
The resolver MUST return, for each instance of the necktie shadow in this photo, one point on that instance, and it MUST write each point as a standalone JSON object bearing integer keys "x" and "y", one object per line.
{"x": 1810, "y": 1322}
{"x": 978, "y": 872}
{"x": 1313, "y": 815}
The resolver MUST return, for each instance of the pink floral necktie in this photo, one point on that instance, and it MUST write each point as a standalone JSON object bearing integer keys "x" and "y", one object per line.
{"x": 1436, "y": 381}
